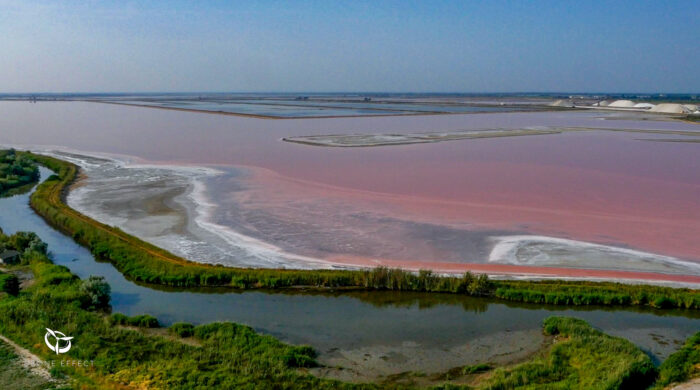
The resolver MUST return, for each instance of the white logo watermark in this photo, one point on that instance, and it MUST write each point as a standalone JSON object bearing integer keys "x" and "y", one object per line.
{"x": 59, "y": 336}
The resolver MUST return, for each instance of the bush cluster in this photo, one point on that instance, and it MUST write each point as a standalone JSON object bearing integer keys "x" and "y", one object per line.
{"x": 9, "y": 283}
{"x": 16, "y": 170}
{"x": 141, "y": 321}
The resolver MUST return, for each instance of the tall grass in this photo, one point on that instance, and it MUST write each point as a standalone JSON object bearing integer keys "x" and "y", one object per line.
{"x": 583, "y": 358}
{"x": 597, "y": 293}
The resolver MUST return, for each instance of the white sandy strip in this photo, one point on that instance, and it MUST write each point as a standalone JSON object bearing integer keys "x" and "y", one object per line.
{"x": 29, "y": 361}
{"x": 265, "y": 254}
{"x": 507, "y": 248}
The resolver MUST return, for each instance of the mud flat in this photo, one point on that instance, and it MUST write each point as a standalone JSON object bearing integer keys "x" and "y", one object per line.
{"x": 381, "y": 361}
{"x": 168, "y": 206}
{"x": 364, "y": 140}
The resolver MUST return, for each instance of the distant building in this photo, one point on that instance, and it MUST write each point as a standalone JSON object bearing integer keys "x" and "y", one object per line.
{"x": 9, "y": 257}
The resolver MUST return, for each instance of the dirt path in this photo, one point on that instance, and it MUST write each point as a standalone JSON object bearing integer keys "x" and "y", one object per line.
{"x": 29, "y": 361}
{"x": 690, "y": 385}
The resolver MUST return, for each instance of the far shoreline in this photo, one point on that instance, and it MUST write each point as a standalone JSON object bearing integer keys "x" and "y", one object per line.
{"x": 259, "y": 116}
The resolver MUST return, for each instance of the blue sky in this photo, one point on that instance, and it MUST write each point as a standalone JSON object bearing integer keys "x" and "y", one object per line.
{"x": 422, "y": 46}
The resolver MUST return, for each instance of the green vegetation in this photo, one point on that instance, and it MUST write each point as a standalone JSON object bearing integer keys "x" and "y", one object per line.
{"x": 595, "y": 293}
{"x": 23, "y": 242}
{"x": 227, "y": 355}
{"x": 98, "y": 290}
{"x": 142, "y": 321}
{"x": 17, "y": 172}
{"x": 143, "y": 262}
{"x": 682, "y": 365}
{"x": 182, "y": 329}
{"x": 9, "y": 283}
{"x": 582, "y": 358}
{"x": 476, "y": 369}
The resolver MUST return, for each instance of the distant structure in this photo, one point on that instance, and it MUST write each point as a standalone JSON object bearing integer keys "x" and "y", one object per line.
{"x": 562, "y": 103}
{"x": 367, "y": 99}
{"x": 9, "y": 257}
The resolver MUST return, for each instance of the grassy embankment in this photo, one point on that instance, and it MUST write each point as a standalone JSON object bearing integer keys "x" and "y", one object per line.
{"x": 144, "y": 262}
{"x": 582, "y": 358}
{"x": 123, "y": 353}
{"x": 682, "y": 365}
{"x": 17, "y": 173}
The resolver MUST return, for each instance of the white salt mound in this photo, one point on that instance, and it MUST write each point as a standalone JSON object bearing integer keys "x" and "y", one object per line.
{"x": 671, "y": 108}
{"x": 644, "y": 105}
{"x": 622, "y": 103}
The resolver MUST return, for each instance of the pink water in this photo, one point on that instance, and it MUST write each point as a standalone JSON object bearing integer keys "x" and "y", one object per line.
{"x": 595, "y": 186}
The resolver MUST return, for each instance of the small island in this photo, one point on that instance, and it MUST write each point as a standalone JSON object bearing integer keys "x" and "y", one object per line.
{"x": 364, "y": 140}
{"x": 17, "y": 172}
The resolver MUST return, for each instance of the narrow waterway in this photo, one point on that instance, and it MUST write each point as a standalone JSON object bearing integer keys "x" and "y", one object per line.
{"x": 386, "y": 332}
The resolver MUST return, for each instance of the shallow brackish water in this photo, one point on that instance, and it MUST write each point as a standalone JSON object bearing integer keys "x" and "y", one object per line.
{"x": 372, "y": 334}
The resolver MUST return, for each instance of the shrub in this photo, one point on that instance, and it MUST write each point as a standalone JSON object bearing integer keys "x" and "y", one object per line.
{"x": 141, "y": 321}
{"x": 118, "y": 319}
{"x": 98, "y": 292}
{"x": 303, "y": 356}
{"x": 144, "y": 321}
{"x": 476, "y": 369}
{"x": 182, "y": 329}
{"x": 9, "y": 284}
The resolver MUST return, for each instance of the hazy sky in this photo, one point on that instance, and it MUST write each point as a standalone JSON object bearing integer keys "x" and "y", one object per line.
{"x": 465, "y": 46}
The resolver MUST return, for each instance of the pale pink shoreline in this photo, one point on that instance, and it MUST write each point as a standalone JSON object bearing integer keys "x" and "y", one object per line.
{"x": 640, "y": 224}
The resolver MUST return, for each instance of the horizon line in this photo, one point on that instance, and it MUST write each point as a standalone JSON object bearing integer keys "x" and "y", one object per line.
{"x": 349, "y": 92}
